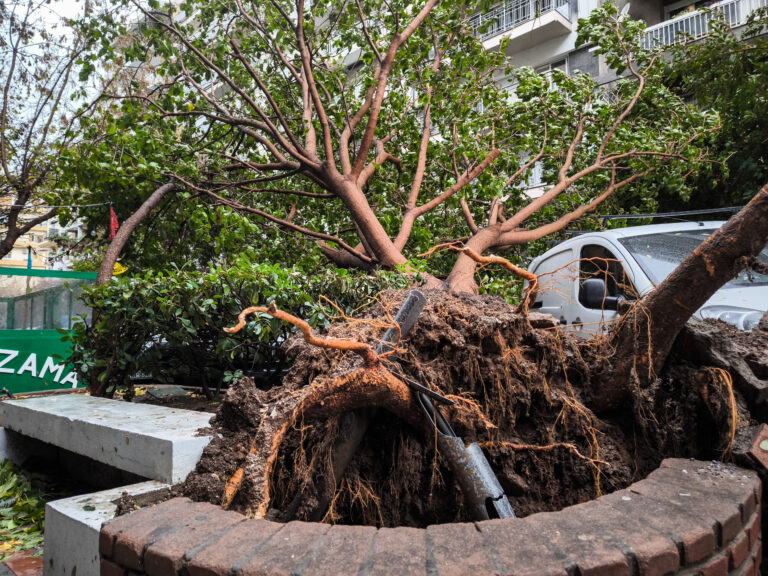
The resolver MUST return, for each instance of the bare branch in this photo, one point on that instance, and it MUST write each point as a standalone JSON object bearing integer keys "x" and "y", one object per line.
{"x": 468, "y": 216}
{"x": 367, "y": 34}
{"x": 385, "y": 69}
{"x": 287, "y": 224}
{"x": 306, "y": 62}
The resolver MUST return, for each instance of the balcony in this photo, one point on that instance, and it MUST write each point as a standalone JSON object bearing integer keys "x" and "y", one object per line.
{"x": 695, "y": 25}
{"x": 524, "y": 22}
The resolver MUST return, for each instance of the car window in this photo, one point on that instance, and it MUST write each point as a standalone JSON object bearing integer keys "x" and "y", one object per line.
{"x": 659, "y": 254}
{"x": 598, "y": 262}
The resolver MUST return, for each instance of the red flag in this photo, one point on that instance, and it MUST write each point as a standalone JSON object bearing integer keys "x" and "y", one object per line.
{"x": 113, "y": 223}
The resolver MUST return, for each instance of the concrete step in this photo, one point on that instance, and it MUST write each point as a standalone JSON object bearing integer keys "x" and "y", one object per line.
{"x": 153, "y": 442}
{"x": 72, "y": 527}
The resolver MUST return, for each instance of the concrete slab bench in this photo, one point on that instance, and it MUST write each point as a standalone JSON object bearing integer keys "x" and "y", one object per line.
{"x": 153, "y": 442}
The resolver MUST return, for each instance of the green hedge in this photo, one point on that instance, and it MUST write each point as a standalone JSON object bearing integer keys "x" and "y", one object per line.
{"x": 170, "y": 324}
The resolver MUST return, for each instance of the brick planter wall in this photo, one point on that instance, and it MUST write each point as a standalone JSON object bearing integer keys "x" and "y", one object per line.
{"x": 687, "y": 517}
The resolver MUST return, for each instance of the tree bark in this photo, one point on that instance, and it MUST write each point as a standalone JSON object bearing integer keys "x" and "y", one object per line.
{"x": 644, "y": 337}
{"x": 14, "y": 231}
{"x": 462, "y": 276}
{"x": 124, "y": 232}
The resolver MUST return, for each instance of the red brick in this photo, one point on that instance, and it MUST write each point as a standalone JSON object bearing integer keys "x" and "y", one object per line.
{"x": 666, "y": 486}
{"x": 165, "y": 555}
{"x": 738, "y": 550}
{"x": 520, "y": 548}
{"x": 457, "y": 550}
{"x": 398, "y": 551}
{"x": 112, "y": 528}
{"x": 725, "y": 481}
{"x": 342, "y": 552}
{"x": 24, "y": 563}
{"x": 288, "y": 552}
{"x": 753, "y": 529}
{"x": 232, "y": 548}
{"x": 132, "y": 542}
{"x": 110, "y": 569}
{"x": 696, "y": 535}
{"x": 655, "y": 552}
{"x": 580, "y": 546}
{"x": 717, "y": 566}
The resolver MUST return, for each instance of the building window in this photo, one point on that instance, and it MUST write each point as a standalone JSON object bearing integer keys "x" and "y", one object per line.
{"x": 548, "y": 69}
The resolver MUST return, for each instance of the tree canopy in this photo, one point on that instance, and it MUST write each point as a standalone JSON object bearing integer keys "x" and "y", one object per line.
{"x": 727, "y": 72}
{"x": 378, "y": 131}
{"x": 41, "y": 102}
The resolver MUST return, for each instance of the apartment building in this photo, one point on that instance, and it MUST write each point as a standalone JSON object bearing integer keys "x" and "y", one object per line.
{"x": 542, "y": 33}
{"x": 37, "y": 248}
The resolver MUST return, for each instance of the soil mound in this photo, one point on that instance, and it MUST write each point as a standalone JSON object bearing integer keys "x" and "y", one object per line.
{"x": 519, "y": 389}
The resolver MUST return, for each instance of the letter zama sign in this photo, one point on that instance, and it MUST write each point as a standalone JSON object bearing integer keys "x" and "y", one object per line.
{"x": 18, "y": 367}
{"x": 37, "y": 308}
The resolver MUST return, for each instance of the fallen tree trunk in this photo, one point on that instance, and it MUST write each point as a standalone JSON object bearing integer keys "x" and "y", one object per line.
{"x": 644, "y": 337}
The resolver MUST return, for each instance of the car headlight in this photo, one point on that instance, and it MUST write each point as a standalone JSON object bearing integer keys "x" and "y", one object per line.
{"x": 742, "y": 318}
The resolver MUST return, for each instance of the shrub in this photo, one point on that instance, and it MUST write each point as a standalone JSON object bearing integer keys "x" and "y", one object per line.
{"x": 170, "y": 324}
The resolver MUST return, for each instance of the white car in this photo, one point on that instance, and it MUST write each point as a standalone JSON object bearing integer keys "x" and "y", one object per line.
{"x": 584, "y": 279}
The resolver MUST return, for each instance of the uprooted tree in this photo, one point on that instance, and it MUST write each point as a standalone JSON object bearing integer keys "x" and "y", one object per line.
{"x": 380, "y": 131}
{"x": 561, "y": 420}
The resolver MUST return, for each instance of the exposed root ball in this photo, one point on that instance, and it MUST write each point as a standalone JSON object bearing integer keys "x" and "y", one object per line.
{"x": 517, "y": 386}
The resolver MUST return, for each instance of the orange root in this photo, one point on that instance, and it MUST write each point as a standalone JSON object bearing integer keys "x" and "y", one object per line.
{"x": 232, "y": 488}
{"x": 533, "y": 281}
{"x": 537, "y": 448}
{"x": 366, "y": 387}
{"x": 364, "y": 350}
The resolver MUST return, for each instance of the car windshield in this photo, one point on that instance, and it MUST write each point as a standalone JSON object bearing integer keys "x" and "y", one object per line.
{"x": 659, "y": 254}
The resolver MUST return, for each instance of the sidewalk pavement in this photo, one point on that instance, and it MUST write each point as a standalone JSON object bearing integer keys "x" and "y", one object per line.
{"x": 22, "y": 564}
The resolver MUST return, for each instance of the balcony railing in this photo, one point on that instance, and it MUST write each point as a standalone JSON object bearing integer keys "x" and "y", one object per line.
{"x": 695, "y": 25}
{"x": 511, "y": 13}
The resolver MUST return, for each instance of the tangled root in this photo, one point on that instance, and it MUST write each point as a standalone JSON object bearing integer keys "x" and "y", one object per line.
{"x": 723, "y": 382}
{"x": 521, "y": 390}
{"x": 361, "y": 388}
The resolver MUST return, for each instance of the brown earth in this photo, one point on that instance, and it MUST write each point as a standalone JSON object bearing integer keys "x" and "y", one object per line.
{"x": 518, "y": 386}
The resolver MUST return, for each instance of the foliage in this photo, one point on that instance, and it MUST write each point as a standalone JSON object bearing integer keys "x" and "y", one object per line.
{"x": 173, "y": 321}
{"x": 39, "y": 106}
{"x": 728, "y": 72}
{"x": 261, "y": 142}
{"x": 22, "y": 511}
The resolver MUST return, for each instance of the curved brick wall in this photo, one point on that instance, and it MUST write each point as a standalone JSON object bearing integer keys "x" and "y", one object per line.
{"x": 687, "y": 517}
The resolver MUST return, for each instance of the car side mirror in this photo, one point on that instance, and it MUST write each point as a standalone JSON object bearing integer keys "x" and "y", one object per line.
{"x": 593, "y": 294}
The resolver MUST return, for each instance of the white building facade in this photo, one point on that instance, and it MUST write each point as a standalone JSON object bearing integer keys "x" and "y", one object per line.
{"x": 542, "y": 33}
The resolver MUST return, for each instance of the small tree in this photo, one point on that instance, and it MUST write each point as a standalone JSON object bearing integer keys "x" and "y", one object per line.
{"x": 39, "y": 55}
{"x": 380, "y": 130}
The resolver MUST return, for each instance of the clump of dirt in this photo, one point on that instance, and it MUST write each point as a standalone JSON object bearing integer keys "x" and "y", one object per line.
{"x": 125, "y": 504}
{"x": 519, "y": 389}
